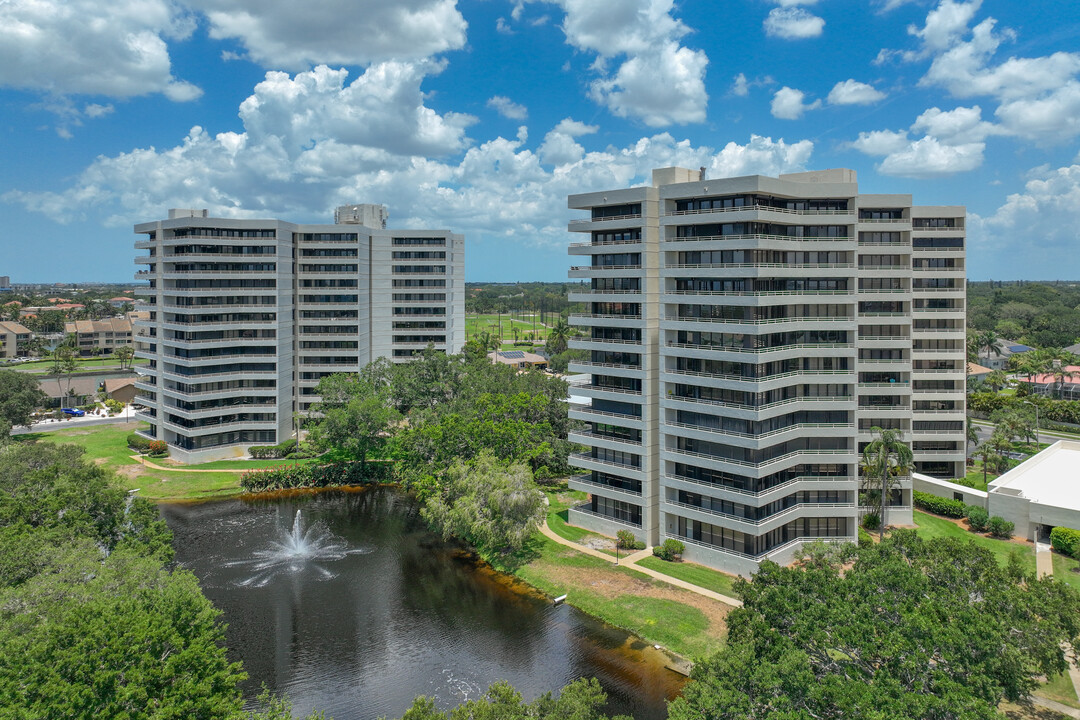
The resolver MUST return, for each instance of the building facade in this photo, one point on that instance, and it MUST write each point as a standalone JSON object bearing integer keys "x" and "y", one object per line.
{"x": 246, "y": 316}
{"x": 14, "y": 340}
{"x": 744, "y": 336}
{"x": 100, "y": 336}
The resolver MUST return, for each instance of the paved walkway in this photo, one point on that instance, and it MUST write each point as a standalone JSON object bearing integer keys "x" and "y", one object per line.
{"x": 1044, "y": 560}
{"x": 155, "y": 466}
{"x": 1055, "y": 706}
{"x": 631, "y": 561}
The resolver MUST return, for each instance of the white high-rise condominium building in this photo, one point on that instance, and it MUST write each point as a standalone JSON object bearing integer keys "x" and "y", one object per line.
{"x": 744, "y": 336}
{"x": 245, "y": 317}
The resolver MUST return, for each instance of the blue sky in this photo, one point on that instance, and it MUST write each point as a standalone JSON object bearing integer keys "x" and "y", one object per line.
{"x": 482, "y": 116}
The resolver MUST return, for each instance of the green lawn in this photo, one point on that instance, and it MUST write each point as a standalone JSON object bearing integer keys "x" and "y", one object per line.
{"x": 107, "y": 446}
{"x": 931, "y": 526}
{"x": 1060, "y": 688}
{"x": 693, "y": 573}
{"x": 1065, "y": 570}
{"x": 490, "y": 323}
{"x": 684, "y": 629}
{"x": 45, "y": 366}
{"x": 558, "y": 504}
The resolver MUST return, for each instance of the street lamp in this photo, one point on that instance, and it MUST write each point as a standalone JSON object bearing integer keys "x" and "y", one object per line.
{"x": 1028, "y": 402}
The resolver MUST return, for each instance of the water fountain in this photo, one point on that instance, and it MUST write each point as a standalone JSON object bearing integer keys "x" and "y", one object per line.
{"x": 295, "y": 550}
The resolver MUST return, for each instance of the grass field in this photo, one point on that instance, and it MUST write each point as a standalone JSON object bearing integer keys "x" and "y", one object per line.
{"x": 682, "y": 621}
{"x": 1065, "y": 570}
{"x": 558, "y": 504}
{"x": 524, "y": 324}
{"x": 106, "y": 445}
{"x": 930, "y": 526}
{"x": 45, "y": 366}
{"x": 1060, "y": 688}
{"x": 693, "y": 573}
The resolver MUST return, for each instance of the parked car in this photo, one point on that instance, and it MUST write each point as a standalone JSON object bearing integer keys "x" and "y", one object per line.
{"x": 73, "y": 412}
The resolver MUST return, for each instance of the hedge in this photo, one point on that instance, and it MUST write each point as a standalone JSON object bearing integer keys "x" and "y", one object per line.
{"x": 311, "y": 476}
{"x": 939, "y": 505}
{"x": 280, "y": 450}
{"x": 138, "y": 442}
{"x": 1065, "y": 540}
{"x": 1050, "y": 410}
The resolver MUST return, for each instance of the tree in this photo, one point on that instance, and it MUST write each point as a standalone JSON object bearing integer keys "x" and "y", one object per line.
{"x": 988, "y": 341}
{"x": 884, "y": 459}
{"x": 20, "y": 396}
{"x": 582, "y": 699}
{"x": 1063, "y": 366}
{"x": 124, "y": 354}
{"x": 911, "y": 629}
{"x": 972, "y": 434}
{"x": 355, "y": 412}
{"x": 493, "y": 505}
{"x": 558, "y": 337}
{"x": 996, "y": 379}
{"x": 991, "y": 452}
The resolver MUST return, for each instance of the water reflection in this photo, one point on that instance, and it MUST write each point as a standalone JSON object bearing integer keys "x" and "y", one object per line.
{"x": 395, "y": 612}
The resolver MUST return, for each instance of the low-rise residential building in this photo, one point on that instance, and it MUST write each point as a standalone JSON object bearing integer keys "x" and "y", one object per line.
{"x": 1065, "y": 384}
{"x": 997, "y": 358}
{"x": 518, "y": 358}
{"x": 100, "y": 335}
{"x": 120, "y": 389}
{"x": 14, "y": 339}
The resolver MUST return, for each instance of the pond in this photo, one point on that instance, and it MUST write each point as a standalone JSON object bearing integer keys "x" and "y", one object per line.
{"x": 345, "y": 601}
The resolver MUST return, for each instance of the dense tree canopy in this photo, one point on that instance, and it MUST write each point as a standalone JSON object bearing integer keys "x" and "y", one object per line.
{"x": 580, "y": 700}
{"x": 355, "y": 410}
{"x": 20, "y": 395}
{"x": 93, "y": 624}
{"x": 911, "y": 629}
{"x": 493, "y": 505}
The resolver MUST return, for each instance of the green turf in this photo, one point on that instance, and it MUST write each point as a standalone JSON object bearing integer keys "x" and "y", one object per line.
{"x": 107, "y": 446}
{"x": 558, "y": 504}
{"x": 693, "y": 573}
{"x": 682, "y": 628}
{"x": 1060, "y": 688}
{"x": 490, "y": 323}
{"x": 1065, "y": 569}
{"x": 46, "y": 366}
{"x": 931, "y": 526}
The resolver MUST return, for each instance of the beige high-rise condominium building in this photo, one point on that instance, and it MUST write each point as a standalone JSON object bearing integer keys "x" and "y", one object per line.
{"x": 744, "y": 336}
{"x": 246, "y": 316}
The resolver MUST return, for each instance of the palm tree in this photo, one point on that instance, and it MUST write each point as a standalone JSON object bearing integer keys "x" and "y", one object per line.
{"x": 885, "y": 459}
{"x": 124, "y": 353}
{"x": 972, "y": 433}
{"x": 989, "y": 341}
{"x": 992, "y": 452}
{"x": 996, "y": 379}
{"x": 558, "y": 337}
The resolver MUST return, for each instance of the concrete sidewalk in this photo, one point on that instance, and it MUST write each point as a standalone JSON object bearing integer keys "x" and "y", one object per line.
{"x": 630, "y": 561}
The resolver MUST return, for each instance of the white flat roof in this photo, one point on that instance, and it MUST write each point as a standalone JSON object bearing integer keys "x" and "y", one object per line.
{"x": 1052, "y": 477}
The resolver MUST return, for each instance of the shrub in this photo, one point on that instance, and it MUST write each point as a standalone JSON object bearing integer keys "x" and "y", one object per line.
{"x": 138, "y": 442}
{"x": 1065, "y": 540}
{"x": 158, "y": 449}
{"x": 865, "y": 540}
{"x": 671, "y": 550}
{"x": 114, "y": 406}
{"x": 311, "y": 475}
{"x": 978, "y": 519}
{"x": 1000, "y": 527}
{"x": 625, "y": 539}
{"x": 938, "y": 505}
{"x": 281, "y": 450}
{"x": 871, "y": 521}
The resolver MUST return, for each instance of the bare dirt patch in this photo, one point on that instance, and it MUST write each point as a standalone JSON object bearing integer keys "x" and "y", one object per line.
{"x": 612, "y": 584}
{"x": 130, "y": 471}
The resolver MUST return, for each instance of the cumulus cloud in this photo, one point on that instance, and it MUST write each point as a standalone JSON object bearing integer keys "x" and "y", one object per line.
{"x": 1037, "y": 226}
{"x": 508, "y": 108}
{"x": 659, "y": 81}
{"x": 314, "y": 140}
{"x": 793, "y": 23}
{"x": 559, "y": 147}
{"x": 1038, "y": 97}
{"x": 787, "y": 104}
{"x": 284, "y": 34}
{"x": 740, "y": 87}
{"x": 85, "y": 47}
{"x": 952, "y": 142}
{"x": 852, "y": 92}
